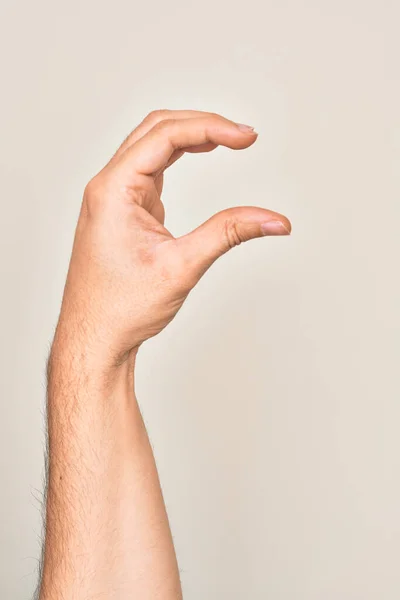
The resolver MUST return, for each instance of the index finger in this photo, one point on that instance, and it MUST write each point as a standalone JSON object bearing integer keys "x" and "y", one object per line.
{"x": 150, "y": 154}
{"x": 152, "y": 119}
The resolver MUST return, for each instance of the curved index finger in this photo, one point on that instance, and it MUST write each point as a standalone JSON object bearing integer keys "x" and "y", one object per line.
{"x": 151, "y": 153}
{"x": 152, "y": 119}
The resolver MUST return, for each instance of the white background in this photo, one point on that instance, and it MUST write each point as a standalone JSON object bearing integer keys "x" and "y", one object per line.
{"x": 272, "y": 401}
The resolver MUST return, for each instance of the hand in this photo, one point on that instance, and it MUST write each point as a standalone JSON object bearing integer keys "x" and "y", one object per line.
{"x": 128, "y": 275}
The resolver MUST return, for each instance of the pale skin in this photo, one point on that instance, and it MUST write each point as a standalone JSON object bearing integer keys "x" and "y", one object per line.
{"x": 107, "y": 532}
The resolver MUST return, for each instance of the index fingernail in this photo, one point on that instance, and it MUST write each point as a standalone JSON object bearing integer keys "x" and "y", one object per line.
{"x": 245, "y": 128}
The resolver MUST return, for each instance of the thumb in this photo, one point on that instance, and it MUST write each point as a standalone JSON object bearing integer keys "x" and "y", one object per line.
{"x": 228, "y": 229}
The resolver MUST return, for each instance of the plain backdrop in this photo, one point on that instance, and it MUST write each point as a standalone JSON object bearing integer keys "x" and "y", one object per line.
{"x": 273, "y": 399}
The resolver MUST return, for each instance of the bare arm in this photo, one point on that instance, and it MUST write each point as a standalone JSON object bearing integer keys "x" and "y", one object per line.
{"x": 107, "y": 532}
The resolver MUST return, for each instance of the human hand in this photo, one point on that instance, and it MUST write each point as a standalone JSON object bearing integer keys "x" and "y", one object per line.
{"x": 128, "y": 275}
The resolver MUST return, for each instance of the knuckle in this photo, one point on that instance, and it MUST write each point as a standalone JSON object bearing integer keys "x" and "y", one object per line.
{"x": 164, "y": 125}
{"x": 214, "y": 118}
{"x": 157, "y": 115}
{"x": 93, "y": 196}
{"x": 92, "y": 188}
{"x": 231, "y": 233}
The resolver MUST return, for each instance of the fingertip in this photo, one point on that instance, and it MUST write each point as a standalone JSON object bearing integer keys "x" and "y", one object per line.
{"x": 283, "y": 219}
{"x": 286, "y": 224}
{"x": 246, "y": 138}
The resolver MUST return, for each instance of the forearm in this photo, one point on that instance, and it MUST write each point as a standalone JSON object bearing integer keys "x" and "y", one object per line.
{"x": 107, "y": 533}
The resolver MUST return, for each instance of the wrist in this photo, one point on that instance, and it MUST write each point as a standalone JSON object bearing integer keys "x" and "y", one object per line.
{"x": 100, "y": 339}
{"x": 77, "y": 359}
